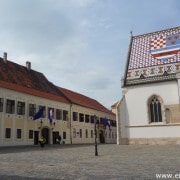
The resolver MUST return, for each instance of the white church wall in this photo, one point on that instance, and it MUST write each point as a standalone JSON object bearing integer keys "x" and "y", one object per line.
{"x": 155, "y": 132}
{"x": 137, "y": 99}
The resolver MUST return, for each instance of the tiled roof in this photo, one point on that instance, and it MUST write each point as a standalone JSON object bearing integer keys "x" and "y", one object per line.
{"x": 82, "y": 100}
{"x": 19, "y": 78}
{"x": 153, "y": 54}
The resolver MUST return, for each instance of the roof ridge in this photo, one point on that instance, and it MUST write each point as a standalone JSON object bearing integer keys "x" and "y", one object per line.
{"x": 156, "y": 32}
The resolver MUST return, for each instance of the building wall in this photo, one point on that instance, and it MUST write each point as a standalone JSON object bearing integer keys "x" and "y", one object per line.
{"x": 88, "y": 128}
{"x": 26, "y": 122}
{"x": 134, "y": 115}
{"x": 65, "y": 128}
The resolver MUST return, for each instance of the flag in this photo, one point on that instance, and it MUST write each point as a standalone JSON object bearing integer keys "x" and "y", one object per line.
{"x": 106, "y": 123}
{"x": 38, "y": 114}
{"x": 165, "y": 47}
{"x": 51, "y": 115}
{"x": 110, "y": 124}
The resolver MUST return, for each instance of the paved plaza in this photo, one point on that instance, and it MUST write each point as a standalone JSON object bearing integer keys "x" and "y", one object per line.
{"x": 79, "y": 162}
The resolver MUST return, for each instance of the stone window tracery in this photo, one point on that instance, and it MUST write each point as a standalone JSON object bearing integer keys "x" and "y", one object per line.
{"x": 155, "y": 110}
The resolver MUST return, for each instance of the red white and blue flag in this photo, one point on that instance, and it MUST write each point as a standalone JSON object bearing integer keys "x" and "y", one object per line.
{"x": 165, "y": 47}
{"x": 51, "y": 115}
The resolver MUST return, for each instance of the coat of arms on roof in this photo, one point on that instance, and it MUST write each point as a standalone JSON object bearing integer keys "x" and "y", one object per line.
{"x": 165, "y": 47}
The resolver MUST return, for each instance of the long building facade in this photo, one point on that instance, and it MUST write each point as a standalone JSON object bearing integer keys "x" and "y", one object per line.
{"x": 24, "y": 92}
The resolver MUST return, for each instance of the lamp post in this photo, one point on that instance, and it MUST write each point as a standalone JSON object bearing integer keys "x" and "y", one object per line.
{"x": 95, "y": 130}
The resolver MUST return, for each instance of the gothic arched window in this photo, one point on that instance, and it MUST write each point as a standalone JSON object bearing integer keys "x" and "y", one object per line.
{"x": 155, "y": 110}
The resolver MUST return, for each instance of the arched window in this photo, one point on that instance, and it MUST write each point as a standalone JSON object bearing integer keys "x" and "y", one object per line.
{"x": 155, "y": 110}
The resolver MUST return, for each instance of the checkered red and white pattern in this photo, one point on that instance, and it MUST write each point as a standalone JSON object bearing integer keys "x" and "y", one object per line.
{"x": 141, "y": 56}
{"x": 158, "y": 42}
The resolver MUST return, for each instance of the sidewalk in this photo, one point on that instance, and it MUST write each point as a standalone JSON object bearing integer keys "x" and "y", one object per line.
{"x": 79, "y": 162}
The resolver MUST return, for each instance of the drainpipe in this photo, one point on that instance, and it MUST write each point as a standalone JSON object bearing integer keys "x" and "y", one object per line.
{"x": 71, "y": 123}
{"x": 118, "y": 123}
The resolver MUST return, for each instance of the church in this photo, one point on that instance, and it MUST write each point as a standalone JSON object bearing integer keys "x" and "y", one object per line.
{"x": 149, "y": 110}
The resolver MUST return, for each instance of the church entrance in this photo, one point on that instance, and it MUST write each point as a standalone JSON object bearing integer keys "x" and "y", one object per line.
{"x": 45, "y": 134}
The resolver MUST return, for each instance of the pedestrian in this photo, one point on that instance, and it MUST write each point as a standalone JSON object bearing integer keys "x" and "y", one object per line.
{"x": 59, "y": 138}
{"x": 42, "y": 141}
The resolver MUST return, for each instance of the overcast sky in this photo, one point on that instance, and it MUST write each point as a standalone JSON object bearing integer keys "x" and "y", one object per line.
{"x": 80, "y": 45}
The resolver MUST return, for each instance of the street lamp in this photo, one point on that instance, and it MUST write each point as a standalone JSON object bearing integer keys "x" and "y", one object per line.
{"x": 95, "y": 130}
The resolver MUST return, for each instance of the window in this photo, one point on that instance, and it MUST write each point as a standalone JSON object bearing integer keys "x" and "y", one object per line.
{"x": 113, "y": 123}
{"x": 58, "y": 114}
{"x": 155, "y": 110}
{"x": 30, "y": 134}
{"x": 65, "y": 115}
{"x": 20, "y": 108}
{"x": 64, "y": 135}
{"x": 10, "y": 106}
{"x": 1, "y": 104}
{"x": 92, "y": 119}
{"x": 97, "y": 120}
{"x": 86, "y": 133}
{"x": 44, "y": 111}
{"x": 74, "y": 132}
{"x": 32, "y": 109}
{"x": 112, "y": 135}
{"x": 86, "y": 118}
{"x": 81, "y": 117}
{"x": 75, "y": 116}
{"x": 91, "y": 133}
{"x": 8, "y": 133}
{"x": 80, "y": 133}
{"x": 18, "y": 133}
{"x": 102, "y": 121}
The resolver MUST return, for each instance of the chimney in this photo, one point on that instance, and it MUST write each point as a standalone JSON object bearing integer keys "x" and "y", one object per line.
{"x": 28, "y": 65}
{"x": 5, "y": 57}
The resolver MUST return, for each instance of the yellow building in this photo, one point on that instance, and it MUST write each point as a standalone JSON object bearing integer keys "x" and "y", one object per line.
{"x": 23, "y": 94}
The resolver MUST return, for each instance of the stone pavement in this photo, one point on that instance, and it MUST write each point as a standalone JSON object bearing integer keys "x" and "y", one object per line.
{"x": 79, "y": 162}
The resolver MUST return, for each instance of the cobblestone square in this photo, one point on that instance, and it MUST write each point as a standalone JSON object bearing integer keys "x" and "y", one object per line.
{"x": 79, "y": 162}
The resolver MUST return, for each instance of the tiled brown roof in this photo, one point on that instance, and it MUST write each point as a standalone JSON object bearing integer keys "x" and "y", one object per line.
{"x": 17, "y": 77}
{"x": 82, "y": 100}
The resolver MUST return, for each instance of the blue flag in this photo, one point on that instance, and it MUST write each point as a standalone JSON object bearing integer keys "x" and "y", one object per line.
{"x": 105, "y": 123}
{"x": 39, "y": 114}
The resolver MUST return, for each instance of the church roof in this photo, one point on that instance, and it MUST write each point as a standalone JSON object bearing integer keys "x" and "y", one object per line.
{"x": 153, "y": 57}
{"x": 82, "y": 100}
{"x": 16, "y": 77}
